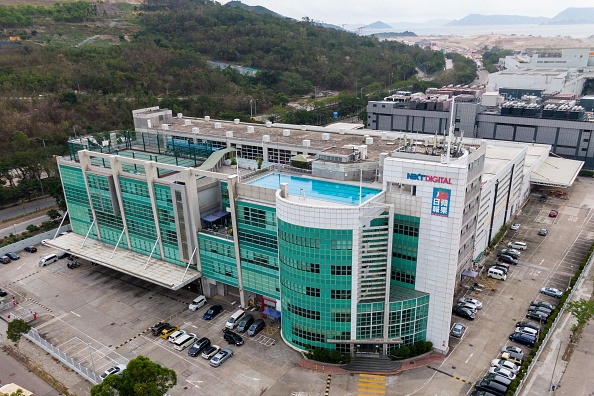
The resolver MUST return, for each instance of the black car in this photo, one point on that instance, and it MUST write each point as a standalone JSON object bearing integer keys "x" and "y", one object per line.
{"x": 156, "y": 329}
{"x": 463, "y": 312}
{"x": 233, "y": 338}
{"x": 13, "y": 255}
{"x": 63, "y": 255}
{"x": 491, "y": 387}
{"x": 5, "y": 259}
{"x": 510, "y": 252}
{"x": 3, "y": 293}
{"x": 543, "y": 304}
{"x": 497, "y": 378}
{"x": 504, "y": 258}
{"x": 543, "y": 198}
{"x": 198, "y": 347}
{"x": 522, "y": 338}
{"x": 30, "y": 249}
{"x": 245, "y": 323}
{"x": 213, "y": 312}
{"x": 503, "y": 268}
{"x": 541, "y": 317}
{"x": 543, "y": 310}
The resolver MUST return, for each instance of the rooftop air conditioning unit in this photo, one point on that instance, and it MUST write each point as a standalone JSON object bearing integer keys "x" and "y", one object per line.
{"x": 229, "y": 134}
{"x": 165, "y": 127}
{"x": 218, "y": 125}
{"x": 266, "y": 138}
{"x": 206, "y": 118}
{"x": 268, "y": 124}
{"x": 306, "y": 142}
{"x": 179, "y": 115}
{"x": 286, "y": 132}
{"x": 250, "y": 129}
{"x": 236, "y": 121}
{"x": 196, "y": 130}
{"x": 325, "y": 136}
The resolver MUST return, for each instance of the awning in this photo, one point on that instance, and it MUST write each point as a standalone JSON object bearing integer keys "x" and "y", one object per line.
{"x": 469, "y": 273}
{"x": 215, "y": 216}
{"x": 273, "y": 313}
{"x": 556, "y": 172}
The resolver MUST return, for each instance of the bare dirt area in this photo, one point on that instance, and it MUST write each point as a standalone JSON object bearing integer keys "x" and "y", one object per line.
{"x": 511, "y": 42}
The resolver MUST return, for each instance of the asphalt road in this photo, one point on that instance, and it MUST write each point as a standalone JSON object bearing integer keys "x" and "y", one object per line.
{"x": 15, "y": 211}
{"x": 17, "y": 228}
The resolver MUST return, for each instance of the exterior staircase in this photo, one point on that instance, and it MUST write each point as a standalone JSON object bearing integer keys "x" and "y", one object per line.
{"x": 372, "y": 364}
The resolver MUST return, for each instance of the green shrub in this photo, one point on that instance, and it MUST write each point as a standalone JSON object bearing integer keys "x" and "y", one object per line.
{"x": 413, "y": 350}
{"x": 327, "y": 356}
{"x": 586, "y": 173}
{"x": 400, "y": 353}
{"x": 32, "y": 228}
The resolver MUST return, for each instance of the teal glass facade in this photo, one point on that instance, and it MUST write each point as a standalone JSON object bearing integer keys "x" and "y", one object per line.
{"x": 79, "y": 207}
{"x": 258, "y": 248}
{"x": 405, "y": 245}
{"x": 316, "y": 273}
{"x": 217, "y": 257}
{"x": 167, "y": 225}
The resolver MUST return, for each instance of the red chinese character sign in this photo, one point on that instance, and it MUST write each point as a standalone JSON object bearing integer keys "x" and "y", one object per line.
{"x": 440, "y": 204}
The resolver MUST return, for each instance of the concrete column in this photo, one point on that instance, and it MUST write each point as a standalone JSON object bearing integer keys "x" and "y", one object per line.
{"x": 116, "y": 170}
{"x": 231, "y": 186}
{"x": 388, "y": 274}
{"x": 85, "y": 162}
{"x": 151, "y": 176}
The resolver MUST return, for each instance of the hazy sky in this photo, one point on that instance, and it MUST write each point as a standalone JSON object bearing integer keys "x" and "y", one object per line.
{"x": 368, "y": 11}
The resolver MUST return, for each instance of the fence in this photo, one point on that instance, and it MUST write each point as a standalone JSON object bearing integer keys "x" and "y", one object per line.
{"x": 34, "y": 240}
{"x": 89, "y": 375}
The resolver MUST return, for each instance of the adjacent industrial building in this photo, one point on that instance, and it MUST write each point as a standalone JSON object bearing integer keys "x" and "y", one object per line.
{"x": 356, "y": 237}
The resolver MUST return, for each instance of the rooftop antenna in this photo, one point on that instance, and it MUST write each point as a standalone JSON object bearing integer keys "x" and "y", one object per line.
{"x": 451, "y": 129}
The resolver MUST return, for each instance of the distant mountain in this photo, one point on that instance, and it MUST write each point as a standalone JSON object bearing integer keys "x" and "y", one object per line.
{"x": 378, "y": 25}
{"x": 388, "y": 35}
{"x": 257, "y": 9}
{"x": 331, "y": 26}
{"x": 412, "y": 25}
{"x": 574, "y": 16}
{"x": 481, "y": 20}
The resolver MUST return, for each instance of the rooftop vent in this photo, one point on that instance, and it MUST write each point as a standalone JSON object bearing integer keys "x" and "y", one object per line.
{"x": 325, "y": 136}
{"x": 218, "y": 125}
{"x": 304, "y": 127}
{"x": 266, "y": 138}
{"x": 306, "y": 142}
{"x": 187, "y": 122}
{"x": 268, "y": 124}
{"x": 229, "y": 134}
{"x": 179, "y": 115}
{"x": 342, "y": 131}
{"x": 368, "y": 140}
{"x": 286, "y": 132}
{"x": 206, "y": 118}
{"x": 165, "y": 127}
{"x": 196, "y": 130}
{"x": 236, "y": 121}
{"x": 250, "y": 129}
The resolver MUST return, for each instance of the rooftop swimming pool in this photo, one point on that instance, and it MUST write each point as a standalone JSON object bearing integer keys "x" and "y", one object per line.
{"x": 347, "y": 194}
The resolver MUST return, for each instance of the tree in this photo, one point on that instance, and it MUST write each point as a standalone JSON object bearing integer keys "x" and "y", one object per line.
{"x": 16, "y": 328}
{"x": 142, "y": 377}
{"x": 53, "y": 214}
{"x": 582, "y": 310}
{"x": 54, "y": 188}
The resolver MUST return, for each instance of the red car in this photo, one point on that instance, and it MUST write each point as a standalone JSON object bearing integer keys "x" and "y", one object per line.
{"x": 30, "y": 249}
{"x": 553, "y": 213}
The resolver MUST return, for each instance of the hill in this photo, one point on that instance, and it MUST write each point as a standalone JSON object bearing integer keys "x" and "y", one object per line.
{"x": 479, "y": 20}
{"x": 257, "y": 9}
{"x": 572, "y": 15}
{"x": 379, "y": 25}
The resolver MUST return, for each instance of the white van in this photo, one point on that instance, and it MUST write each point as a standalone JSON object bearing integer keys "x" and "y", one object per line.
{"x": 234, "y": 319}
{"x": 198, "y": 302}
{"x": 517, "y": 245}
{"x": 527, "y": 330}
{"x": 184, "y": 341}
{"x": 51, "y": 258}
{"x": 496, "y": 274}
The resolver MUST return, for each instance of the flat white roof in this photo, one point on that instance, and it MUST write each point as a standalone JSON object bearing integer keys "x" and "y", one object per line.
{"x": 157, "y": 271}
{"x": 556, "y": 172}
{"x": 347, "y": 126}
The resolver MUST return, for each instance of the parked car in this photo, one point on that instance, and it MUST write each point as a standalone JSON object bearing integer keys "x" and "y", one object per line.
{"x": 496, "y": 378}
{"x": 464, "y": 313}
{"x": 13, "y": 256}
{"x": 212, "y": 312}
{"x": 198, "y": 347}
{"x": 174, "y": 336}
{"x": 522, "y": 338}
{"x": 196, "y": 303}
{"x": 552, "y": 292}
{"x": 233, "y": 338}
{"x": 543, "y": 232}
{"x": 30, "y": 249}
{"x": 505, "y": 364}
{"x": 501, "y": 266}
{"x": 220, "y": 357}
{"x": 5, "y": 259}
{"x": 256, "y": 327}
{"x": 167, "y": 331}
{"x": 474, "y": 301}
{"x": 470, "y": 307}
{"x": 117, "y": 370}
{"x": 533, "y": 325}
{"x": 510, "y": 252}
{"x": 516, "y": 358}
{"x": 156, "y": 329}
{"x": 490, "y": 388}
{"x": 539, "y": 308}
{"x": 543, "y": 304}
{"x": 502, "y": 372}
{"x": 543, "y": 198}
{"x": 504, "y": 258}
{"x": 541, "y": 317}
{"x": 209, "y": 352}
{"x": 553, "y": 213}
{"x": 63, "y": 255}
{"x": 3, "y": 293}
{"x": 517, "y": 245}
{"x": 458, "y": 330}
{"x": 515, "y": 226}
{"x": 245, "y": 323}
{"x": 511, "y": 348}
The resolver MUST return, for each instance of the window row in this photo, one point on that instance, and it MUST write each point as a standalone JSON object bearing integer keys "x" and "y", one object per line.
{"x": 343, "y": 270}
{"x": 403, "y": 277}
{"x": 406, "y": 229}
{"x": 307, "y": 335}
{"x": 304, "y": 312}
{"x": 404, "y": 256}
{"x": 340, "y": 294}
{"x": 300, "y": 265}
{"x": 299, "y": 240}
{"x": 301, "y": 289}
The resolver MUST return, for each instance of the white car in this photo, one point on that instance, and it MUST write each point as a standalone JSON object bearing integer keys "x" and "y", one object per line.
{"x": 502, "y": 372}
{"x": 209, "y": 352}
{"x": 198, "y": 302}
{"x": 505, "y": 364}
{"x": 117, "y": 370}
{"x": 473, "y": 301}
{"x": 173, "y": 337}
{"x": 515, "y": 226}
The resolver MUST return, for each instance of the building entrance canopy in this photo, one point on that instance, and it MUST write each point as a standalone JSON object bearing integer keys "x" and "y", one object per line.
{"x": 395, "y": 340}
{"x": 556, "y": 172}
{"x": 156, "y": 271}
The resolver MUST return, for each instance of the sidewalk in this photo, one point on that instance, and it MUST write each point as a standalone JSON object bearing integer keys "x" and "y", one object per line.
{"x": 557, "y": 356}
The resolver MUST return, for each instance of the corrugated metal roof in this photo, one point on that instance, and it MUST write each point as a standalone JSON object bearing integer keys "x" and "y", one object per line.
{"x": 557, "y": 172}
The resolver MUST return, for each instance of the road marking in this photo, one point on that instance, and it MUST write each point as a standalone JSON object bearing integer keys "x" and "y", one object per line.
{"x": 469, "y": 358}
{"x": 74, "y": 313}
{"x": 450, "y": 375}
{"x": 193, "y": 382}
{"x": 328, "y": 380}
{"x": 253, "y": 378}
{"x": 541, "y": 261}
{"x": 371, "y": 384}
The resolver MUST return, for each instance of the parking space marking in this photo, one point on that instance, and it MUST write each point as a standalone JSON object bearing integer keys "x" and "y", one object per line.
{"x": 266, "y": 341}
{"x": 131, "y": 339}
{"x": 270, "y": 330}
{"x": 451, "y": 375}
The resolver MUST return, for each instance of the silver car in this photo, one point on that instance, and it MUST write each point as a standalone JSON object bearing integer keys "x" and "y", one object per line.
{"x": 220, "y": 357}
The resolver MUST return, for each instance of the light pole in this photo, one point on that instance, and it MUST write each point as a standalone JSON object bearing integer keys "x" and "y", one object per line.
{"x": 91, "y": 355}
{"x": 555, "y": 367}
{"x": 251, "y": 114}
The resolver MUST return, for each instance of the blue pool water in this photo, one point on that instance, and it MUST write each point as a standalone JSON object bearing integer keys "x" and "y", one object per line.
{"x": 317, "y": 189}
